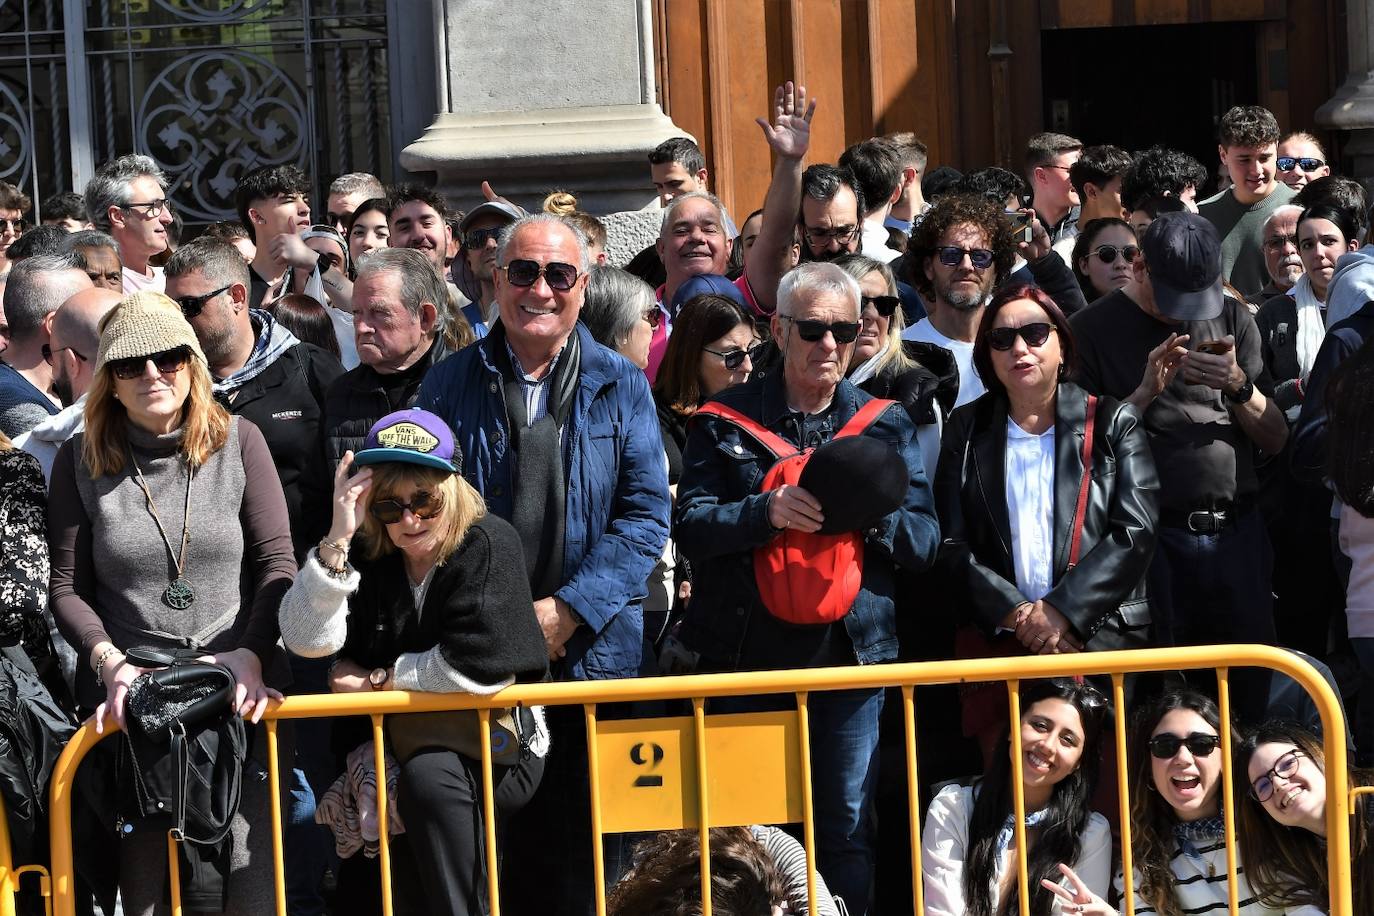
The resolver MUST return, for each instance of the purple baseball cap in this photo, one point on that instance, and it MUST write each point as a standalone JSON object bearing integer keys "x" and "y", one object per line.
{"x": 411, "y": 437}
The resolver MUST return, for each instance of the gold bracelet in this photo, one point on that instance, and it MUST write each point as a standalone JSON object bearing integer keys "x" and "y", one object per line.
{"x": 341, "y": 545}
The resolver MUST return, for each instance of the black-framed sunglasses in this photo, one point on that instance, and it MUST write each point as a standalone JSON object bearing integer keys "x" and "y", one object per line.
{"x": 1284, "y": 768}
{"x": 733, "y": 359}
{"x": 477, "y": 238}
{"x": 1034, "y": 334}
{"x": 423, "y": 504}
{"x": 1199, "y": 744}
{"x": 168, "y": 362}
{"x": 652, "y": 316}
{"x": 1107, "y": 254}
{"x": 810, "y": 330}
{"x": 191, "y": 306}
{"x": 953, "y": 256}
{"x": 48, "y": 353}
{"x": 558, "y": 275}
{"x": 1306, "y": 163}
{"x": 885, "y": 306}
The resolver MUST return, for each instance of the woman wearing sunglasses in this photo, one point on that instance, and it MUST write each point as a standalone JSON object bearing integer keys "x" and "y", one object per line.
{"x": 969, "y": 857}
{"x": 1102, "y": 256}
{"x": 1281, "y": 772}
{"x": 417, "y": 587}
{"x": 621, "y": 312}
{"x": 168, "y": 528}
{"x": 1047, "y": 555}
{"x": 923, "y": 377}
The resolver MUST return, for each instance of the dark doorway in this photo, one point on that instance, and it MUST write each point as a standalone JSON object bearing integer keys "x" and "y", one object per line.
{"x": 1137, "y": 86}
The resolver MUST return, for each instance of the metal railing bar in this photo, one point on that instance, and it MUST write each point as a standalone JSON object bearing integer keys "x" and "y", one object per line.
{"x": 274, "y": 790}
{"x": 1018, "y": 797}
{"x": 383, "y": 812}
{"x": 913, "y": 789}
{"x": 1227, "y": 795}
{"x": 594, "y": 779}
{"x": 808, "y": 803}
{"x": 703, "y": 804}
{"x": 174, "y": 875}
{"x": 1123, "y": 788}
{"x": 489, "y": 813}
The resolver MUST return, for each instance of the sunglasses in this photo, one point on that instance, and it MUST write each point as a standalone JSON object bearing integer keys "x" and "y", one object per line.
{"x": 883, "y": 305}
{"x": 1284, "y": 768}
{"x": 1306, "y": 163}
{"x": 191, "y": 306}
{"x": 811, "y": 331}
{"x": 1199, "y": 744}
{"x": 1034, "y": 334}
{"x": 423, "y": 504}
{"x": 558, "y": 275}
{"x": 733, "y": 358}
{"x": 952, "y": 256}
{"x": 48, "y": 353}
{"x": 652, "y": 317}
{"x": 167, "y": 362}
{"x": 1107, "y": 253}
{"x": 478, "y": 238}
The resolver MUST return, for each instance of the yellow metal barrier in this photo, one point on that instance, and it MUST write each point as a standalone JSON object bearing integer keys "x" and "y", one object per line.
{"x": 683, "y": 767}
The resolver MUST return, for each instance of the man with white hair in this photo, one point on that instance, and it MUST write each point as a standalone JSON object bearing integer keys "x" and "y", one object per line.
{"x": 34, "y": 290}
{"x": 128, "y": 199}
{"x": 1281, "y": 259}
{"x": 723, "y": 519}
{"x": 347, "y": 193}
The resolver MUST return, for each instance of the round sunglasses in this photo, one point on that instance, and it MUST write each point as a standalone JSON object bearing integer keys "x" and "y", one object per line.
{"x": 423, "y": 505}
{"x": 1199, "y": 744}
{"x": 1034, "y": 334}
{"x": 1107, "y": 254}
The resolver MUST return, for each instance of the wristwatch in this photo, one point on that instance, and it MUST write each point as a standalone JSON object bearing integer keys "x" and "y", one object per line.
{"x": 1242, "y": 394}
{"x": 377, "y": 678}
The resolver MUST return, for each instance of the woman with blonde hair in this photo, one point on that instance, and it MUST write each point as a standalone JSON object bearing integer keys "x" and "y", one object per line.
{"x": 168, "y": 528}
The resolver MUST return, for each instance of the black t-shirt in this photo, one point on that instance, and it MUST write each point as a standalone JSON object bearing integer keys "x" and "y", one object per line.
{"x": 257, "y": 289}
{"x": 1202, "y": 454}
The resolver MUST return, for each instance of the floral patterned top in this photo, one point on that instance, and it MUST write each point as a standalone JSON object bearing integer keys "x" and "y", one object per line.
{"x": 24, "y": 556}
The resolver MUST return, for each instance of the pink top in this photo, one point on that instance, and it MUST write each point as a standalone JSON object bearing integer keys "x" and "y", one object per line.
{"x": 658, "y": 344}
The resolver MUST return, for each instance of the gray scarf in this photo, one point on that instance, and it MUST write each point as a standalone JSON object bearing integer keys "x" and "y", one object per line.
{"x": 273, "y": 341}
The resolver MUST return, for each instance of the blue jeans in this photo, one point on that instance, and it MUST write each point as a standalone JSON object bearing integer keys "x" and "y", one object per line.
{"x": 844, "y": 782}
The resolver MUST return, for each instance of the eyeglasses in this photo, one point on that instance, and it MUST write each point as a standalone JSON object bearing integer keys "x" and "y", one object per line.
{"x": 423, "y": 504}
{"x": 478, "y": 238}
{"x": 1199, "y": 744}
{"x": 1306, "y": 163}
{"x": 149, "y": 208}
{"x": 168, "y": 362}
{"x": 840, "y": 234}
{"x": 48, "y": 353}
{"x": 883, "y": 305}
{"x": 952, "y": 256}
{"x": 1107, "y": 254}
{"x": 1034, "y": 334}
{"x": 337, "y": 220}
{"x": 1284, "y": 768}
{"x": 1280, "y": 242}
{"x": 733, "y": 358}
{"x": 652, "y": 317}
{"x": 559, "y": 276}
{"x": 191, "y": 306}
{"x": 811, "y": 331}
{"x": 17, "y": 226}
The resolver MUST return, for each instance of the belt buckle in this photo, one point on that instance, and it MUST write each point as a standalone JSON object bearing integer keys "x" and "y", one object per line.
{"x": 1207, "y": 523}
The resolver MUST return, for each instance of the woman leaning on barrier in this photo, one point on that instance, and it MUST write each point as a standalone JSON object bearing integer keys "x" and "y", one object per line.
{"x": 1041, "y": 563}
{"x": 1281, "y": 772}
{"x": 434, "y": 599}
{"x": 167, "y": 527}
{"x": 969, "y": 859}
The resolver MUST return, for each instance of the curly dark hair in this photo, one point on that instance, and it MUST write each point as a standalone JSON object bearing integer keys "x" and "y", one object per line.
{"x": 1160, "y": 172}
{"x": 666, "y": 877}
{"x": 953, "y": 210}
{"x": 1248, "y": 125}
{"x": 994, "y": 183}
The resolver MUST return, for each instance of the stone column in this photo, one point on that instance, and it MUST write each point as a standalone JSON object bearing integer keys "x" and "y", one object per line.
{"x": 1352, "y": 107}
{"x": 536, "y": 94}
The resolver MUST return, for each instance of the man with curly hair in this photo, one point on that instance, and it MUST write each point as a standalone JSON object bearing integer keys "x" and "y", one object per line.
{"x": 1249, "y": 152}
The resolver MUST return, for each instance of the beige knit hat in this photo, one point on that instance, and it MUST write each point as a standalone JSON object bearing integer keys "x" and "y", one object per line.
{"x": 141, "y": 324}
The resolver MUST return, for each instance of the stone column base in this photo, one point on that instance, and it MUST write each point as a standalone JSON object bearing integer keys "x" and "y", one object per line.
{"x": 597, "y": 153}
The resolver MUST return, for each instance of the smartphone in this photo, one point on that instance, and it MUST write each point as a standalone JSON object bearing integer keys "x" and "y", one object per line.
{"x": 1214, "y": 347}
{"x": 1020, "y": 224}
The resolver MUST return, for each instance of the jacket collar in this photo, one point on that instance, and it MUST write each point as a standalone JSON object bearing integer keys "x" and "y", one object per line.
{"x": 774, "y": 400}
{"x": 597, "y": 367}
{"x": 988, "y": 446}
{"x": 1070, "y": 414}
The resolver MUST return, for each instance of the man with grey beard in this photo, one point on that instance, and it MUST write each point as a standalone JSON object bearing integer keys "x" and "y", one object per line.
{"x": 1281, "y": 259}
{"x": 964, "y": 248}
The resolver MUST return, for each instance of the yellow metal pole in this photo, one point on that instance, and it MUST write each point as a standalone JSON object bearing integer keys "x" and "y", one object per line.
{"x": 274, "y": 786}
{"x": 703, "y": 803}
{"x": 174, "y": 874}
{"x": 9, "y": 881}
{"x": 808, "y": 812}
{"x": 1018, "y": 794}
{"x": 1227, "y": 795}
{"x": 383, "y": 812}
{"x": 594, "y": 779}
{"x": 913, "y": 799}
{"x": 489, "y": 813}
{"x": 1123, "y": 788}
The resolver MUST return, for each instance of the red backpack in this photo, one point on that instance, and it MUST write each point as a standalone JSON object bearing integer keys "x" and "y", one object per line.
{"x": 804, "y": 578}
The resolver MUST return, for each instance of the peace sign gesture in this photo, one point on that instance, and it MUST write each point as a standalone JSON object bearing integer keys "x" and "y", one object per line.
{"x": 1081, "y": 900}
{"x": 790, "y": 133}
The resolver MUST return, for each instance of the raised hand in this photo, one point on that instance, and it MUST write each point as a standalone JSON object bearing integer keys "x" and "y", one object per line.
{"x": 1081, "y": 901}
{"x": 348, "y": 494}
{"x": 790, "y": 133}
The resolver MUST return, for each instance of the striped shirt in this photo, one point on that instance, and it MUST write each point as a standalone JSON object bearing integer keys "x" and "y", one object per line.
{"x": 1200, "y": 886}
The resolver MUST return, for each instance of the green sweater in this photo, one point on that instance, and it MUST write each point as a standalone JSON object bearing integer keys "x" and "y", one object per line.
{"x": 1241, "y": 229}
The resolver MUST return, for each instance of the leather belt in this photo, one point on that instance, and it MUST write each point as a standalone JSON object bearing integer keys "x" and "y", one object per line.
{"x": 1211, "y": 519}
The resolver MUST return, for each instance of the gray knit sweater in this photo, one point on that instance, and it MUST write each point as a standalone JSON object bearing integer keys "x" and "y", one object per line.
{"x": 110, "y": 564}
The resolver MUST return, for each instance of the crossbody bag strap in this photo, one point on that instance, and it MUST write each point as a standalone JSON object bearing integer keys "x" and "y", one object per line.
{"x": 180, "y": 765}
{"x": 864, "y": 417}
{"x": 1076, "y": 538}
{"x": 770, "y": 440}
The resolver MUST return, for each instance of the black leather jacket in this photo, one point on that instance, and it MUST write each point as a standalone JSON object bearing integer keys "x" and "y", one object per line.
{"x": 1118, "y": 527}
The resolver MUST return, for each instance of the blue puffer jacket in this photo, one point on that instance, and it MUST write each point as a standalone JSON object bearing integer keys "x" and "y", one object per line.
{"x": 616, "y": 516}
{"x": 721, "y": 517}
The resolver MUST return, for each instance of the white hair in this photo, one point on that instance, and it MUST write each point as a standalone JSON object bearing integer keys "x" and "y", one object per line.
{"x": 816, "y": 278}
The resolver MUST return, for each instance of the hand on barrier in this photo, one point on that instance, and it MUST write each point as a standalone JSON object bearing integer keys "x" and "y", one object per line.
{"x": 251, "y": 695}
{"x": 1081, "y": 901}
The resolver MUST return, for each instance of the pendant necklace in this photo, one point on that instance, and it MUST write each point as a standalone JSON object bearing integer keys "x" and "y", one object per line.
{"x": 178, "y": 594}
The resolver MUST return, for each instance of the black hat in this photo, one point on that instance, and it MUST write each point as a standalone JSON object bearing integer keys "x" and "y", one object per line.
{"x": 1183, "y": 253}
{"x": 857, "y": 480}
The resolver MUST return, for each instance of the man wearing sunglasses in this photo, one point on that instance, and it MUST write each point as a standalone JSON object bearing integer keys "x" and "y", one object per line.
{"x": 1049, "y": 159}
{"x": 1301, "y": 159}
{"x": 476, "y": 271}
{"x": 33, "y": 291}
{"x": 561, "y": 437}
{"x": 128, "y": 199}
{"x": 346, "y": 194}
{"x": 14, "y": 203}
{"x": 1096, "y": 178}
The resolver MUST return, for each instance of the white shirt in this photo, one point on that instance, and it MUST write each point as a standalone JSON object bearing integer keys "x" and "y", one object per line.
{"x": 345, "y": 335}
{"x": 945, "y": 841}
{"x": 1064, "y": 247}
{"x": 970, "y": 385}
{"x": 1030, "y": 507}
{"x": 873, "y": 243}
{"x": 135, "y": 281}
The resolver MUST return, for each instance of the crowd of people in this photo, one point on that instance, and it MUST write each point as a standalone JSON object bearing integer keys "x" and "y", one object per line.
{"x": 898, "y": 413}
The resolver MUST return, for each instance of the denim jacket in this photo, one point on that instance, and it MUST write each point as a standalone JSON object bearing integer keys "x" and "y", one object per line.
{"x": 721, "y": 517}
{"x": 616, "y": 515}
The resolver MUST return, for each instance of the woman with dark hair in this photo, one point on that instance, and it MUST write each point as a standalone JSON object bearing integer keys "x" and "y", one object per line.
{"x": 368, "y": 230}
{"x": 1283, "y": 821}
{"x": 303, "y": 316}
{"x": 1102, "y": 256}
{"x": 969, "y": 858}
{"x": 1043, "y": 550}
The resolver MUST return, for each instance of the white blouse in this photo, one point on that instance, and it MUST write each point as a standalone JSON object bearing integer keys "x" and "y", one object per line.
{"x": 1030, "y": 508}
{"x": 945, "y": 842}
